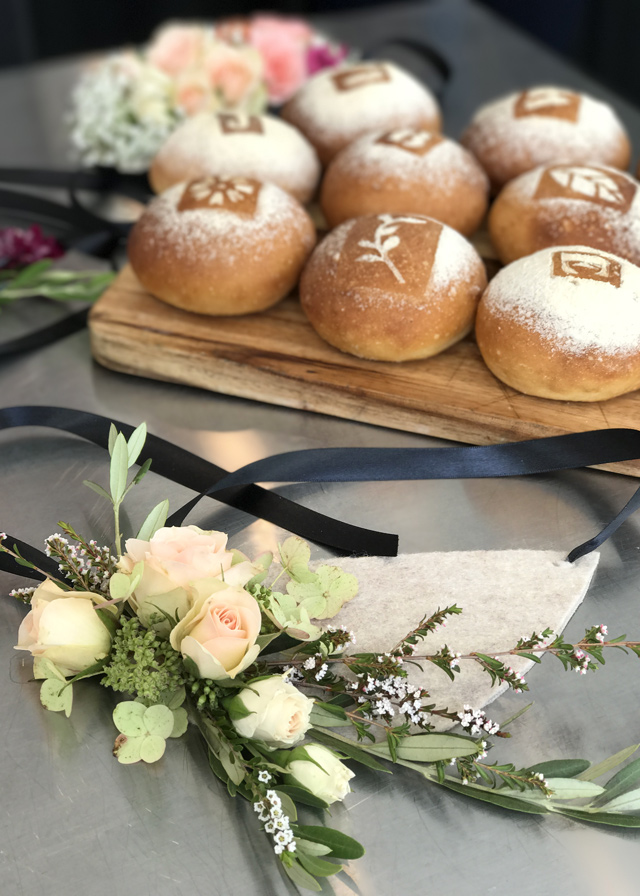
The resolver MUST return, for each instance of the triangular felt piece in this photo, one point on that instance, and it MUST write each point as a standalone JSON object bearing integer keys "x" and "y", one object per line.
{"x": 504, "y": 595}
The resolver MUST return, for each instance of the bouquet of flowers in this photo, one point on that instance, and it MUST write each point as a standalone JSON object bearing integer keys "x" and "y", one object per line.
{"x": 126, "y": 106}
{"x": 190, "y": 630}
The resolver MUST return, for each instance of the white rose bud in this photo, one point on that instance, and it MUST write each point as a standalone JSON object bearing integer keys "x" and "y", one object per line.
{"x": 330, "y": 782}
{"x": 279, "y": 713}
{"x": 64, "y": 627}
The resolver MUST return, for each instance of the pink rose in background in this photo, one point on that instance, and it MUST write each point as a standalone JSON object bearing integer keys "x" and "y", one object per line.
{"x": 193, "y": 92}
{"x": 22, "y": 247}
{"x": 176, "y": 48}
{"x": 283, "y": 46}
{"x": 321, "y": 56}
{"x": 235, "y": 73}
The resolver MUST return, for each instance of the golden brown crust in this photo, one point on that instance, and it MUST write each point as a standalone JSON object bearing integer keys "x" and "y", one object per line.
{"x": 542, "y": 333}
{"x": 406, "y": 171}
{"x": 336, "y": 107}
{"x": 214, "y": 260}
{"x": 392, "y": 288}
{"x": 562, "y": 205}
{"x": 517, "y": 133}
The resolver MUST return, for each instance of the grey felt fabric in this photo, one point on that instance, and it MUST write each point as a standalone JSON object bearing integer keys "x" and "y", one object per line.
{"x": 504, "y": 595}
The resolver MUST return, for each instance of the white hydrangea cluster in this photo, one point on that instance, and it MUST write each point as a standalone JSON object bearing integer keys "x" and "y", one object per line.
{"x": 269, "y": 810}
{"x": 123, "y": 111}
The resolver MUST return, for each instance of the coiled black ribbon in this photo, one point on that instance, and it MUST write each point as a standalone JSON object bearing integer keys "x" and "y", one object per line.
{"x": 238, "y": 489}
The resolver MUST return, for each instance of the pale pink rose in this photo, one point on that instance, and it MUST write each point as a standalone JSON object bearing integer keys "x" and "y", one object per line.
{"x": 177, "y": 566}
{"x": 64, "y": 627}
{"x": 234, "y": 72}
{"x": 219, "y": 633}
{"x": 278, "y": 713}
{"x": 193, "y": 93}
{"x": 283, "y": 46}
{"x": 176, "y": 48}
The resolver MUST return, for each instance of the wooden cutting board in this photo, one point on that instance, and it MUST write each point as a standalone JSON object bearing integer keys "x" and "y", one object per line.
{"x": 276, "y": 357}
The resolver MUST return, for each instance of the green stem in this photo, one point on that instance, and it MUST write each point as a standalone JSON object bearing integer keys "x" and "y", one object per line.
{"x": 116, "y": 522}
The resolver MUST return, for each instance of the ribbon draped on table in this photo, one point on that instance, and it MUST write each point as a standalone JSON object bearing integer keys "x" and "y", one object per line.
{"x": 238, "y": 489}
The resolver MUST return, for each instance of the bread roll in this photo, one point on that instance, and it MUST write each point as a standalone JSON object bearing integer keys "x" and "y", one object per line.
{"x": 222, "y": 246}
{"x": 567, "y": 205}
{"x": 340, "y": 104}
{"x": 564, "y": 323}
{"x": 392, "y": 287}
{"x": 230, "y": 144}
{"x": 406, "y": 170}
{"x": 542, "y": 125}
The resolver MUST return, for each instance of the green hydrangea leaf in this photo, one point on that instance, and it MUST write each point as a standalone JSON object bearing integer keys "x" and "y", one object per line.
{"x": 45, "y": 668}
{"x": 294, "y": 556}
{"x": 158, "y": 721}
{"x": 180, "y": 722}
{"x": 128, "y": 717}
{"x": 56, "y": 695}
{"x": 338, "y": 588}
{"x": 127, "y": 749}
{"x": 120, "y": 586}
{"x": 152, "y": 746}
{"x": 264, "y": 562}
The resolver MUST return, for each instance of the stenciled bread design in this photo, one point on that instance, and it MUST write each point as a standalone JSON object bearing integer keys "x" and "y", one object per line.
{"x": 338, "y": 105}
{"x": 542, "y": 125}
{"x": 231, "y": 144}
{"x": 392, "y": 287}
{"x": 564, "y": 323}
{"x": 222, "y": 246}
{"x": 567, "y": 205}
{"x": 406, "y": 170}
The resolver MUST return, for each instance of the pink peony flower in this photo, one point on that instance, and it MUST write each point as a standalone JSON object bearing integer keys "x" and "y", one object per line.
{"x": 176, "y": 48}
{"x": 19, "y": 248}
{"x": 234, "y": 72}
{"x": 283, "y": 46}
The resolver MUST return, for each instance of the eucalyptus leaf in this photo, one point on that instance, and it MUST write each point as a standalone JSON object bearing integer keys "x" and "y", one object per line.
{"x": 326, "y": 719}
{"x": 56, "y": 696}
{"x": 338, "y": 587}
{"x": 341, "y": 845}
{"x": 621, "y": 782}
{"x": 155, "y": 520}
{"x": 627, "y": 802}
{"x": 295, "y": 554}
{"x": 264, "y": 562}
{"x": 128, "y": 717}
{"x": 429, "y": 747}
{"x": 560, "y": 768}
{"x": 318, "y": 867}
{"x": 97, "y": 489}
{"x": 136, "y": 443}
{"x": 45, "y": 668}
{"x": 608, "y": 765}
{"x": 300, "y": 877}
{"x": 158, "y": 720}
{"x": 119, "y": 468}
{"x": 120, "y": 586}
{"x": 152, "y": 747}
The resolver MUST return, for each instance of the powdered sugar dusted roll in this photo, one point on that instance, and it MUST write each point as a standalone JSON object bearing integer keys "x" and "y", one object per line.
{"x": 230, "y": 144}
{"x": 564, "y": 323}
{"x": 221, "y": 246}
{"x": 542, "y": 125}
{"x": 406, "y": 170}
{"x": 338, "y": 105}
{"x": 392, "y": 287}
{"x": 565, "y": 205}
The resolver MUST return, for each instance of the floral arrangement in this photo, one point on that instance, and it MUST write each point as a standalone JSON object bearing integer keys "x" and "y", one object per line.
{"x": 189, "y": 630}
{"x": 21, "y": 280}
{"x": 126, "y": 106}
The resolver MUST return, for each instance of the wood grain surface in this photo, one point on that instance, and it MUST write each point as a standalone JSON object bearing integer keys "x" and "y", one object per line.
{"x": 276, "y": 357}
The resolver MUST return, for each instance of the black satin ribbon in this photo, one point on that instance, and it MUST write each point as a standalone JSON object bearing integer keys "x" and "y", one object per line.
{"x": 237, "y": 489}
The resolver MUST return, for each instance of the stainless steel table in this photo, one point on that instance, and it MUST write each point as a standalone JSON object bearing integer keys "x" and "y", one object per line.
{"x": 76, "y": 822}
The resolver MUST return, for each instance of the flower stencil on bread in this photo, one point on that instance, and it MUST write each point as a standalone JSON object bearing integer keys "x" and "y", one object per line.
{"x": 385, "y": 239}
{"x": 612, "y": 189}
{"x": 238, "y": 194}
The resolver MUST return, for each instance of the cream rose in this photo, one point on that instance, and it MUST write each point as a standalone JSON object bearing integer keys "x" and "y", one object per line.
{"x": 328, "y": 780}
{"x": 219, "y": 632}
{"x": 179, "y": 565}
{"x": 279, "y": 713}
{"x": 64, "y": 627}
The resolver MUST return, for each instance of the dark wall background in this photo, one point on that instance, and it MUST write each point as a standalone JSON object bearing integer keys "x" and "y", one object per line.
{"x": 600, "y": 36}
